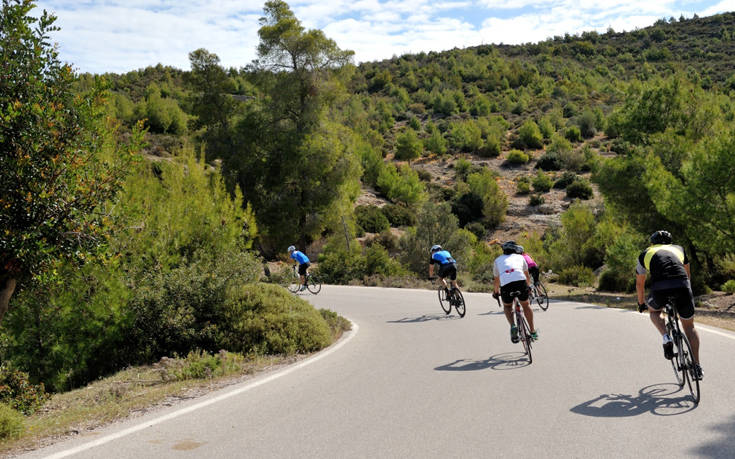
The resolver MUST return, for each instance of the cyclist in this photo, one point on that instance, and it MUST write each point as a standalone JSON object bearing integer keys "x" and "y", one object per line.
{"x": 303, "y": 262}
{"x": 670, "y": 277}
{"x": 533, "y": 268}
{"x": 511, "y": 275}
{"x": 447, "y": 266}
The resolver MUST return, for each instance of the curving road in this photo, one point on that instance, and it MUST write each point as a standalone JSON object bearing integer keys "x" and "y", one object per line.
{"x": 412, "y": 382}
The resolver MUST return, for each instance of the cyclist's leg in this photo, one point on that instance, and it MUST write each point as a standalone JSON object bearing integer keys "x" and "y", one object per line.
{"x": 534, "y": 272}
{"x": 452, "y": 274}
{"x": 692, "y": 335}
{"x": 685, "y": 308}
{"x": 507, "y": 305}
{"x": 654, "y": 312}
{"x": 302, "y": 272}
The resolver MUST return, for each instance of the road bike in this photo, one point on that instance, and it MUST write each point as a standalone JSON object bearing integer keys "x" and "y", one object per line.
{"x": 539, "y": 295}
{"x": 683, "y": 360}
{"x": 524, "y": 332}
{"x": 449, "y": 298}
{"x": 313, "y": 284}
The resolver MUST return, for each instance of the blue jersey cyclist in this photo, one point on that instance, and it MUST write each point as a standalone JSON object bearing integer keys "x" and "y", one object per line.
{"x": 303, "y": 262}
{"x": 447, "y": 266}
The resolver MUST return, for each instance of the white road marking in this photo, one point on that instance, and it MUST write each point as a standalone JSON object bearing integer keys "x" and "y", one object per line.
{"x": 189, "y": 409}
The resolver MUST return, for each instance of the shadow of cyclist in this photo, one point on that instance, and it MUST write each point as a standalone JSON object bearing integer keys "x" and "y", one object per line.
{"x": 423, "y": 318}
{"x": 500, "y": 362}
{"x": 666, "y": 399}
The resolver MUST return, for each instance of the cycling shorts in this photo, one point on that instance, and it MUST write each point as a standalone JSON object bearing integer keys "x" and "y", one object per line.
{"x": 448, "y": 271}
{"x": 684, "y": 300}
{"x": 302, "y": 268}
{"x": 517, "y": 286}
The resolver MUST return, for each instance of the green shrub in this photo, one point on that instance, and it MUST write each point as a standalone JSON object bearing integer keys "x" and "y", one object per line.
{"x": 542, "y": 182}
{"x": 414, "y": 123}
{"x": 339, "y": 265}
{"x": 573, "y": 134}
{"x": 517, "y": 157}
{"x": 268, "y": 319}
{"x": 523, "y": 186}
{"x": 611, "y": 282}
{"x": 11, "y": 422}
{"x": 550, "y": 161}
{"x": 580, "y": 188}
{"x": 17, "y": 392}
{"x": 399, "y": 215}
{"x": 436, "y": 143}
{"x": 386, "y": 239}
{"x": 462, "y": 168}
{"x": 371, "y": 219}
{"x": 729, "y": 286}
{"x": 587, "y": 123}
{"x": 408, "y": 145}
{"x": 490, "y": 148}
{"x": 400, "y": 185}
{"x": 201, "y": 365}
{"x": 536, "y": 200}
{"x": 546, "y": 127}
{"x": 379, "y": 262}
{"x": 476, "y": 228}
{"x": 565, "y": 180}
{"x": 580, "y": 276}
{"x": 529, "y": 135}
{"x": 336, "y": 322}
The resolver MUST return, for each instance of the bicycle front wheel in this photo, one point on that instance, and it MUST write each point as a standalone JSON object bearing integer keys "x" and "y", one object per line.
{"x": 443, "y": 300}
{"x": 677, "y": 362}
{"x": 459, "y": 303}
{"x": 687, "y": 359}
{"x": 313, "y": 284}
{"x": 294, "y": 282}
{"x": 541, "y": 297}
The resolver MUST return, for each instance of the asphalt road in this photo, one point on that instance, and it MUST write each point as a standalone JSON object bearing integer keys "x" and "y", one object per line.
{"x": 413, "y": 382}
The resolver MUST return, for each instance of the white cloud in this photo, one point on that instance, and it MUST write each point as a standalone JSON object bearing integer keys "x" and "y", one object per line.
{"x": 120, "y": 35}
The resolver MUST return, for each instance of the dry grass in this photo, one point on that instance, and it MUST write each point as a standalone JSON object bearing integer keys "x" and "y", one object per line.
{"x": 131, "y": 392}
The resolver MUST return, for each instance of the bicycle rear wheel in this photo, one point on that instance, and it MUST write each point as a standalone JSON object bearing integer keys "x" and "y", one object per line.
{"x": 541, "y": 297}
{"x": 525, "y": 335}
{"x": 459, "y": 303}
{"x": 687, "y": 360}
{"x": 313, "y": 284}
{"x": 443, "y": 300}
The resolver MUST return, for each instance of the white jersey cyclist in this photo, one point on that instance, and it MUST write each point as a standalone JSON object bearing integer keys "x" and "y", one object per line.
{"x": 510, "y": 268}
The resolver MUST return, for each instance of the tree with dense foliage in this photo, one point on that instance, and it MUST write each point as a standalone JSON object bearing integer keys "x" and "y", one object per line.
{"x": 58, "y": 160}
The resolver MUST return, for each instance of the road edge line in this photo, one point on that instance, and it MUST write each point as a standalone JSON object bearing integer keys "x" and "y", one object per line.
{"x": 130, "y": 430}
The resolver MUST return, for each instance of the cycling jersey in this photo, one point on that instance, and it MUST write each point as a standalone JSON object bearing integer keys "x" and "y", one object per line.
{"x": 529, "y": 261}
{"x": 300, "y": 257}
{"x": 666, "y": 263}
{"x": 510, "y": 268}
{"x": 442, "y": 257}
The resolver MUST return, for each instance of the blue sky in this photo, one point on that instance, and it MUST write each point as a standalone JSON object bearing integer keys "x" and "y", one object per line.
{"x": 120, "y": 35}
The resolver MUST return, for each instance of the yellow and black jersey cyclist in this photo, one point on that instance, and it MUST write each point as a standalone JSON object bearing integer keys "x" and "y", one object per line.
{"x": 668, "y": 266}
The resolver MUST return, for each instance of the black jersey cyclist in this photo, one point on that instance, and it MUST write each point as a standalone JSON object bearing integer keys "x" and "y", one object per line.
{"x": 668, "y": 266}
{"x": 447, "y": 266}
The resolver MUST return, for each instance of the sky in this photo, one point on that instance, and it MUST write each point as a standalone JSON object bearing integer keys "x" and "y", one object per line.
{"x": 121, "y": 35}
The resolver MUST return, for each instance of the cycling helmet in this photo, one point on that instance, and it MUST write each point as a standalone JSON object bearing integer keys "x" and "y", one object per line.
{"x": 436, "y": 247}
{"x": 519, "y": 249}
{"x": 509, "y": 247}
{"x": 291, "y": 248}
{"x": 660, "y": 237}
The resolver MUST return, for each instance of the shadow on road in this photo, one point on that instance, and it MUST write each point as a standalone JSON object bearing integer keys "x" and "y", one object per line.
{"x": 424, "y": 318}
{"x": 590, "y": 307}
{"x": 666, "y": 399}
{"x": 507, "y": 361}
{"x": 721, "y": 447}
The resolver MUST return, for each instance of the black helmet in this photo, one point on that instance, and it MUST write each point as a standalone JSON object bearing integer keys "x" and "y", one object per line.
{"x": 509, "y": 247}
{"x": 660, "y": 237}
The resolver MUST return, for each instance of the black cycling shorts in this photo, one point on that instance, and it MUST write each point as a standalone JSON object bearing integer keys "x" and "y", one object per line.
{"x": 302, "y": 268}
{"x": 517, "y": 286}
{"x": 448, "y": 271}
{"x": 684, "y": 300}
{"x": 534, "y": 272}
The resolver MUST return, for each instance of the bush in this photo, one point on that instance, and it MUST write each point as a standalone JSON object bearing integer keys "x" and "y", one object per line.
{"x": 436, "y": 143}
{"x": 476, "y": 228}
{"x": 408, "y": 145}
{"x": 339, "y": 265}
{"x": 386, "y": 239}
{"x": 268, "y": 319}
{"x": 490, "y": 148}
{"x": 536, "y": 200}
{"x": 399, "y": 215}
{"x": 11, "y": 422}
{"x": 523, "y": 186}
{"x": 18, "y": 393}
{"x": 517, "y": 157}
{"x": 587, "y": 124}
{"x": 542, "y": 182}
{"x": 371, "y": 219}
{"x": 729, "y": 286}
{"x": 580, "y": 188}
{"x": 336, "y": 322}
{"x": 611, "y": 282}
{"x": 565, "y": 180}
{"x": 400, "y": 186}
{"x": 573, "y": 134}
{"x": 550, "y": 161}
{"x": 580, "y": 276}
{"x": 201, "y": 365}
{"x": 379, "y": 262}
{"x": 529, "y": 135}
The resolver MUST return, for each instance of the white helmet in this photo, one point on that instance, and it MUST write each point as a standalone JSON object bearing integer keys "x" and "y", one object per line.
{"x": 291, "y": 248}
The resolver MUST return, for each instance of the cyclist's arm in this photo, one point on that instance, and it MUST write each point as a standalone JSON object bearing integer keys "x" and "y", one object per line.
{"x": 689, "y": 273}
{"x": 431, "y": 270}
{"x": 640, "y": 286}
{"x": 496, "y": 286}
{"x": 528, "y": 278}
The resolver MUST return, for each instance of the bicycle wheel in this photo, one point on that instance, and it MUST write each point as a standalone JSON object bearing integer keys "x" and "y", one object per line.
{"x": 294, "y": 282}
{"x": 541, "y": 297}
{"x": 313, "y": 284}
{"x": 459, "y": 303}
{"x": 443, "y": 300}
{"x": 676, "y": 362}
{"x": 688, "y": 368}
{"x": 525, "y": 335}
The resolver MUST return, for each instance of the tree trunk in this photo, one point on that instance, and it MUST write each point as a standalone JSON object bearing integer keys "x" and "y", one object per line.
{"x": 7, "y": 287}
